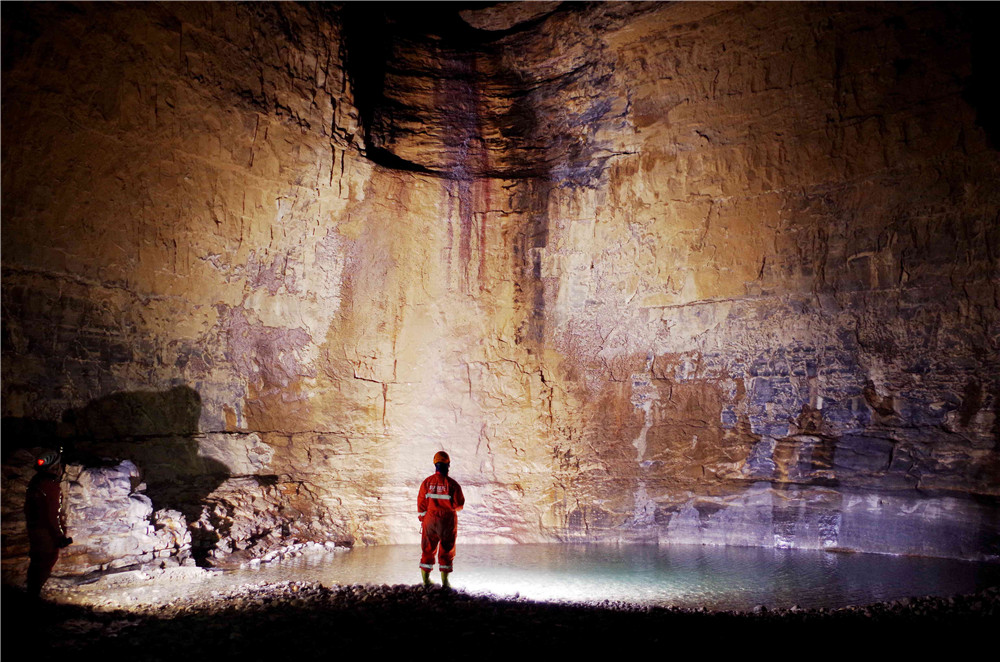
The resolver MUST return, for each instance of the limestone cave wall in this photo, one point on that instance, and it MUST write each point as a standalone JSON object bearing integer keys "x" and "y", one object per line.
{"x": 676, "y": 272}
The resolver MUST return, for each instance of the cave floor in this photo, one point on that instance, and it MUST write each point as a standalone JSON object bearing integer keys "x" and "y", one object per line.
{"x": 188, "y": 611}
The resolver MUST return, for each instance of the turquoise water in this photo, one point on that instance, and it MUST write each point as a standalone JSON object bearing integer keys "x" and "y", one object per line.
{"x": 684, "y": 576}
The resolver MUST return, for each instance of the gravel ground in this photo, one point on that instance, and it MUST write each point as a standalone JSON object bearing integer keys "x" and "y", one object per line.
{"x": 184, "y": 613}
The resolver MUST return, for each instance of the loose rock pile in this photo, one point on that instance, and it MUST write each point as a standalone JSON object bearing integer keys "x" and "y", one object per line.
{"x": 113, "y": 522}
{"x": 246, "y": 519}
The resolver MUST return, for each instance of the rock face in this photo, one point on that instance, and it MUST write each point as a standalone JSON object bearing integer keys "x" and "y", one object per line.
{"x": 683, "y": 272}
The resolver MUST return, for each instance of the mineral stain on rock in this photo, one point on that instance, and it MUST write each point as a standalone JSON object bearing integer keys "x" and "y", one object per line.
{"x": 683, "y": 272}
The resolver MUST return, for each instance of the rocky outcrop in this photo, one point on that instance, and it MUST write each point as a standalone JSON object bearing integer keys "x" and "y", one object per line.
{"x": 683, "y": 272}
{"x": 108, "y": 515}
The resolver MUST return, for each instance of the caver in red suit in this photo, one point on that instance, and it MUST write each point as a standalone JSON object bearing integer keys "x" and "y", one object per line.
{"x": 438, "y": 502}
{"x": 43, "y": 512}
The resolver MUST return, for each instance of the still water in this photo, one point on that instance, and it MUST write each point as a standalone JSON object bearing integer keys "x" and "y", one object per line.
{"x": 683, "y": 576}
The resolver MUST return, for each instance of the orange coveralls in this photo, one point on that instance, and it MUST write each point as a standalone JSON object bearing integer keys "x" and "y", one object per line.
{"x": 438, "y": 502}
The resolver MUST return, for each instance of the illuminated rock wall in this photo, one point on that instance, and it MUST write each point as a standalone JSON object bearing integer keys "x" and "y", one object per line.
{"x": 676, "y": 272}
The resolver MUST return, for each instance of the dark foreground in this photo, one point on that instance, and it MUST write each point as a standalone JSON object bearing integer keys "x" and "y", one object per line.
{"x": 309, "y": 621}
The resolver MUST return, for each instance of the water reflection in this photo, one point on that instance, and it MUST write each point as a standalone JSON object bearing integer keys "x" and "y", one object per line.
{"x": 687, "y": 576}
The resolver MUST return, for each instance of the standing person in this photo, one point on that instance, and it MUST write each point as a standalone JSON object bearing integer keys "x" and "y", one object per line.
{"x": 438, "y": 502}
{"x": 46, "y": 526}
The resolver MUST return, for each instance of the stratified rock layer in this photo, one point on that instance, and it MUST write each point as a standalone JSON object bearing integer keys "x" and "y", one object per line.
{"x": 681, "y": 272}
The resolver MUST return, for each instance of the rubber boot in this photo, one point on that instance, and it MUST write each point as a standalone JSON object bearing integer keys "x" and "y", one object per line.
{"x": 444, "y": 580}
{"x": 426, "y": 577}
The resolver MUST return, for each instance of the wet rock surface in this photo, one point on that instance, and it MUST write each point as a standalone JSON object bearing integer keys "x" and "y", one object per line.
{"x": 310, "y": 619}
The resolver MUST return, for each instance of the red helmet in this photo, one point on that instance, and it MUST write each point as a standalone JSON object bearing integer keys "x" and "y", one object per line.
{"x": 47, "y": 459}
{"x": 441, "y": 456}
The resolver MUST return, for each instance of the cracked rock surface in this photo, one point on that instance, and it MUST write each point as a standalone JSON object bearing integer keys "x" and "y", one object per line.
{"x": 695, "y": 272}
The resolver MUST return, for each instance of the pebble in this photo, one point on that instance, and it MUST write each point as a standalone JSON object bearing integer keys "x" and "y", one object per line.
{"x": 253, "y": 620}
